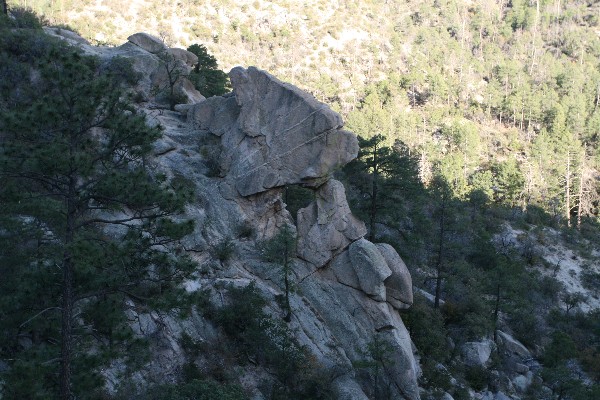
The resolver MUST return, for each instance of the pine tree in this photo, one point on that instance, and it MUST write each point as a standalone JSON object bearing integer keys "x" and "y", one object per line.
{"x": 206, "y": 76}
{"x": 281, "y": 249}
{"x": 386, "y": 177}
{"x": 73, "y": 163}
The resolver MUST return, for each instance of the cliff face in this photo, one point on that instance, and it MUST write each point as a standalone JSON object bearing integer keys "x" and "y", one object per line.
{"x": 239, "y": 151}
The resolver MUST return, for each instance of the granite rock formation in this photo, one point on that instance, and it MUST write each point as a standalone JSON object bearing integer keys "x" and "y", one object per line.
{"x": 238, "y": 151}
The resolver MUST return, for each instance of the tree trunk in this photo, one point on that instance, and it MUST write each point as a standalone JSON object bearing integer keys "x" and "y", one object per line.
{"x": 496, "y": 312}
{"x": 66, "y": 350}
{"x": 373, "y": 210}
{"x": 568, "y": 190}
{"x": 288, "y": 315}
{"x": 66, "y": 328}
{"x": 4, "y": 7}
{"x": 580, "y": 194}
{"x": 440, "y": 255}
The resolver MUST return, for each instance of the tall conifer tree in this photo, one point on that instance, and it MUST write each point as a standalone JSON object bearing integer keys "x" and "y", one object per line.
{"x": 73, "y": 162}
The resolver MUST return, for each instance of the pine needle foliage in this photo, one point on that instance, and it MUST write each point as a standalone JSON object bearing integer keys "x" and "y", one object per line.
{"x": 85, "y": 228}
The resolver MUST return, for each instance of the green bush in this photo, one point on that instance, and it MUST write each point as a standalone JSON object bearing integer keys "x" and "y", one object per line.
{"x": 26, "y": 18}
{"x": 269, "y": 342}
{"x": 426, "y": 327}
{"x": 526, "y": 327}
{"x": 591, "y": 280}
{"x": 224, "y": 249}
{"x": 206, "y": 76}
{"x": 245, "y": 230}
{"x": 477, "y": 377}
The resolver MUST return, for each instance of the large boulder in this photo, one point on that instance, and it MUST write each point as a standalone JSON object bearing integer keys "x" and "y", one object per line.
{"x": 150, "y": 43}
{"x": 370, "y": 267}
{"x": 511, "y": 345}
{"x": 189, "y": 58}
{"x": 477, "y": 354}
{"x": 398, "y": 285}
{"x": 327, "y": 226}
{"x": 356, "y": 321}
{"x": 289, "y": 137}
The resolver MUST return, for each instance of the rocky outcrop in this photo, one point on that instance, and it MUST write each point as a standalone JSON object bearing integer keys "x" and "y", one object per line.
{"x": 327, "y": 226}
{"x": 370, "y": 268}
{"x": 238, "y": 151}
{"x": 398, "y": 285}
{"x": 150, "y": 43}
{"x": 154, "y": 61}
{"x": 67, "y": 35}
{"x": 272, "y": 134}
{"x": 189, "y": 58}
{"x": 281, "y": 136}
{"x": 477, "y": 354}
{"x": 356, "y": 320}
{"x": 511, "y": 345}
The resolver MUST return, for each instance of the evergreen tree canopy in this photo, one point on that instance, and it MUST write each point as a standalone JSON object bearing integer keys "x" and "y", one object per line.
{"x": 206, "y": 76}
{"x": 84, "y": 224}
{"x": 386, "y": 177}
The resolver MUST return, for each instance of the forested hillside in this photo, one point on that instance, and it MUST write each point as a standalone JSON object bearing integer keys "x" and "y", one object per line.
{"x": 498, "y": 96}
{"x": 479, "y": 129}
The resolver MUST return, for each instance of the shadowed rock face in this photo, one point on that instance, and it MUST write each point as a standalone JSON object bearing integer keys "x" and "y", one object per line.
{"x": 327, "y": 225}
{"x": 398, "y": 285}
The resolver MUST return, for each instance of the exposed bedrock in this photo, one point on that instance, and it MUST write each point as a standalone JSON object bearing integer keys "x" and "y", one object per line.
{"x": 238, "y": 151}
{"x": 327, "y": 226}
{"x": 273, "y": 134}
{"x": 279, "y": 134}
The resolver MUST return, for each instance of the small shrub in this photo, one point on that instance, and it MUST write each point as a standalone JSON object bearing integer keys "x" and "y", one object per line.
{"x": 26, "y": 18}
{"x": 245, "y": 230}
{"x": 65, "y": 27}
{"x": 590, "y": 280}
{"x": 224, "y": 249}
{"x": 212, "y": 160}
{"x": 183, "y": 186}
{"x": 426, "y": 327}
{"x": 435, "y": 376}
{"x": 526, "y": 326}
{"x": 477, "y": 377}
{"x": 269, "y": 342}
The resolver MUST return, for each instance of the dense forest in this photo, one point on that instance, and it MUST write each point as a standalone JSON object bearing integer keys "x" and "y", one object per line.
{"x": 500, "y": 97}
{"x": 478, "y": 128}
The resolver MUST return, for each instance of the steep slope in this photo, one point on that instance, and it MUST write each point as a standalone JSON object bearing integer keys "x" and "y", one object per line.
{"x": 238, "y": 152}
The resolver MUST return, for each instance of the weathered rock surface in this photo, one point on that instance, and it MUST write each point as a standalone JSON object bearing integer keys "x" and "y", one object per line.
{"x": 189, "y": 58}
{"x": 370, "y": 267}
{"x": 67, "y": 35}
{"x": 355, "y": 320}
{"x": 511, "y": 345}
{"x": 237, "y": 151}
{"x": 522, "y": 382}
{"x": 150, "y": 43}
{"x": 149, "y": 57}
{"x": 495, "y": 396}
{"x": 327, "y": 225}
{"x": 398, "y": 285}
{"x": 477, "y": 353}
{"x": 289, "y": 137}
